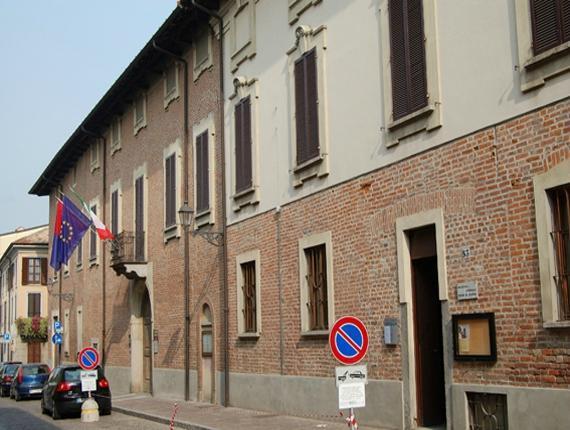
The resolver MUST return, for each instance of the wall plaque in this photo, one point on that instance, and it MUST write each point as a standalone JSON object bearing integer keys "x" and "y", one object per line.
{"x": 467, "y": 291}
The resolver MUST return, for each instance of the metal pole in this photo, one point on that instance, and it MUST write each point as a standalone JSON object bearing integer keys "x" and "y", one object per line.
{"x": 59, "y": 315}
{"x": 186, "y": 314}
{"x": 352, "y": 419}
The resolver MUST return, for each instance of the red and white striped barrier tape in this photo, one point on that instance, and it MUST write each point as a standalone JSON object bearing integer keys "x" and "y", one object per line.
{"x": 350, "y": 421}
{"x": 174, "y": 410}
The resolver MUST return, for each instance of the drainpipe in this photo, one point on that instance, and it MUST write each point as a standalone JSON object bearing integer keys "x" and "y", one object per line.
{"x": 215, "y": 15}
{"x": 186, "y": 242}
{"x": 104, "y": 254}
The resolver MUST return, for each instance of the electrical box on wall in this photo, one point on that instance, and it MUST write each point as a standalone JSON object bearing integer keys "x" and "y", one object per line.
{"x": 391, "y": 332}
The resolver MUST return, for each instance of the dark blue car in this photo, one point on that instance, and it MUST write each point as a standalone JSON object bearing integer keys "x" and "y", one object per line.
{"x": 6, "y": 376}
{"x": 29, "y": 381}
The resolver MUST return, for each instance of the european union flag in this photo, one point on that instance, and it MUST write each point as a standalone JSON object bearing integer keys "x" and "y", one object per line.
{"x": 70, "y": 226}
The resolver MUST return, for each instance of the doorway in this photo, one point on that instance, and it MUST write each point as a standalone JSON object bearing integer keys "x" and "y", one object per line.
{"x": 427, "y": 326}
{"x": 34, "y": 352}
{"x": 207, "y": 355}
{"x": 147, "y": 343}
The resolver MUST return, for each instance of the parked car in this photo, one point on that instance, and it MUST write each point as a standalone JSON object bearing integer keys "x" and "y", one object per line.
{"x": 62, "y": 393}
{"x": 9, "y": 368}
{"x": 29, "y": 381}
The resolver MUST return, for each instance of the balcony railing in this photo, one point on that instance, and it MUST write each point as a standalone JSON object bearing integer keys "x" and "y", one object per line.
{"x": 127, "y": 248}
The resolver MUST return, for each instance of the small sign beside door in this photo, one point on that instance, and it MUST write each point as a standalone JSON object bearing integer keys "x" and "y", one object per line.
{"x": 467, "y": 291}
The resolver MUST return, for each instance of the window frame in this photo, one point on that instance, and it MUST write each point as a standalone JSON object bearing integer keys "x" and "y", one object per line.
{"x": 307, "y": 39}
{"x": 94, "y": 242}
{"x": 239, "y": 54}
{"x": 200, "y": 67}
{"x": 37, "y": 295}
{"x": 429, "y": 117}
{"x": 298, "y": 7}
{"x": 207, "y": 216}
{"x": 141, "y": 172}
{"x": 172, "y": 150}
{"x": 94, "y": 156}
{"x": 244, "y": 88}
{"x": 543, "y": 183}
{"x": 79, "y": 256}
{"x": 116, "y": 124}
{"x": 253, "y": 256}
{"x": 139, "y": 125}
{"x": 535, "y": 70}
{"x": 305, "y": 243}
{"x": 174, "y": 93}
{"x": 116, "y": 187}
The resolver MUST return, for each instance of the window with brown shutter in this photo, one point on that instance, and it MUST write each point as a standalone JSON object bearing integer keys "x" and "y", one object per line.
{"x": 31, "y": 271}
{"x": 202, "y": 173}
{"x": 139, "y": 219}
{"x": 249, "y": 296}
{"x": 306, "y": 107}
{"x": 115, "y": 212}
{"x": 317, "y": 285}
{"x": 170, "y": 191}
{"x": 560, "y": 203}
{"x": 25, "y": 269}
{"x": 34, "y": 304}
{"x": 407, "y": 57}
{"x": 550, "y": 20}
{"x": 93, "y": 238}
{"x": 80, "y": 253}
{"x": 44, "y": 270}
{"x": 243, "y": 144}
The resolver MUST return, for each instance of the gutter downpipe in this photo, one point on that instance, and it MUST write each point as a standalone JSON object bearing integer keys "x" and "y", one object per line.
{"x": 186, "y": 242}
{"x": 215, "y": 15}
{"x": 104, "y": 254}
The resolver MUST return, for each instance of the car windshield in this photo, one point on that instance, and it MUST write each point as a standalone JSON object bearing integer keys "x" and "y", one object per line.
{"x": 35, "y": 370}
{"x": 72, "y": 375}
{"x": 10, "y": 369}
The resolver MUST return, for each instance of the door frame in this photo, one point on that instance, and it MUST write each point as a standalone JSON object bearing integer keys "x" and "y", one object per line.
{"x": 403, "y": 226}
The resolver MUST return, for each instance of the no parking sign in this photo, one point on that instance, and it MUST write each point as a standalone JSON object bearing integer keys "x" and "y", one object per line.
{"x": 348, "y": 340}
{"x": 88, "y": 358}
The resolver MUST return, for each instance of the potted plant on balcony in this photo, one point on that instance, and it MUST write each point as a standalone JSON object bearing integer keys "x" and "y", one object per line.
{"x": 34, "y": 329}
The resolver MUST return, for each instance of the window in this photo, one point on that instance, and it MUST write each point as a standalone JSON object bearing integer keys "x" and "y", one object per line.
{"x": 139, "y": 219}
{"x": 204, "y": 167}
{"x": 552, "y": 206}
{"x": 93, "y": 239}
{"x": 412, "y": 95}
{"x": 309, "y": 133}
{"x": 244, "y": 159}
{"x": 170, "y": 84}
{"x": 34, "y": 271}
{"x": 11, "y": 276}
{"x": 317, "y": 299}
{"x": 202, "y": 53}
{"x": 297, "y": 7}
{"x": 248, "y": 294}
{"x": 79, "y": 254}
{"x": 170, "y": 191}
{"x": 94, "y": 151}
{"x": 242, "y": 33}
{"x": 34, "y": 304}
{"x": 115, "y": 205}
{"x": 202, "y": 177}
{"x": 560, "y": 204}
{"x": 115, "y": 135}
{"x": 543, "y": 30}
{"x": 139, "y": 113}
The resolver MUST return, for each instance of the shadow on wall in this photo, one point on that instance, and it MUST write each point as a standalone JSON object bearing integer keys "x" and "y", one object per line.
{"x": 172, "y": 349}
{"x": 119, "y": 324}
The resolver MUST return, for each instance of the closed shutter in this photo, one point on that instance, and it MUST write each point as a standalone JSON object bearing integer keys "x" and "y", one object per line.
{"x": 170, "y": 191}
{"x": 545, "y": 15}
{"x": 115, "y": 212}
{"x": 34, "y": 304}
{"x": 407, "y": 57}
{"x": 202, "y": 173}
{"x": 44, "y": 271}
{"x": 139, "y": 219}
{"x": 93, "y": 238}
{"x": 25, "y": 271}
{"x": 306, "y": 107}
{"x": 243, "y": 145}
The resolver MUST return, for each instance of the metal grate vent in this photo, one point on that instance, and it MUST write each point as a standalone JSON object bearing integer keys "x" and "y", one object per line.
{"x": 487, "y": 411}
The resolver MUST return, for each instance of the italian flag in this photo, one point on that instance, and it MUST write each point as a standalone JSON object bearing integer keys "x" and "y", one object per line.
{"x": 103, "y": 232}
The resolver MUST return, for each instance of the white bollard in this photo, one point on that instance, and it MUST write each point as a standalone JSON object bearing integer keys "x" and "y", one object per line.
{"x": 89, "y": 411}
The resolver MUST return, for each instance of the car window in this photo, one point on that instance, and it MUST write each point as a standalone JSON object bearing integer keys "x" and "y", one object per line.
{"x": 54, "y": 373}
{"x": 71, "y": 375}
{"x": 10, "y": 369}
{"x": 35, "y": 370}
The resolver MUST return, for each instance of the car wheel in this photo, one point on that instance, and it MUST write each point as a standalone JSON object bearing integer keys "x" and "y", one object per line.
{"x": 55, "y": 413}
{"x": 17, "y": 396}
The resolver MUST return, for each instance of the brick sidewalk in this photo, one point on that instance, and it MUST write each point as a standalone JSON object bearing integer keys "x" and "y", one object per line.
{"x": 202, "y": 416}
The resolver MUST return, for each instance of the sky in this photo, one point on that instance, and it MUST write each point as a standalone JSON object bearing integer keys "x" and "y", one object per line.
{"x": 57, "y": 59}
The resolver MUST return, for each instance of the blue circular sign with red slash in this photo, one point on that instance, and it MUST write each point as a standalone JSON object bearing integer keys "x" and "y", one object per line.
{"x": 88, "y": 358}
{"x": 348, "y": 340}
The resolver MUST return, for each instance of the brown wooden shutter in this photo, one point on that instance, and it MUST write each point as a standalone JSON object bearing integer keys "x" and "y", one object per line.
{"x": 34, "y": 304}
{"x": 44, "y": 271}
{"x": 546, "y": 16}
{"x": 139, "y": 218}
{"x": 170, "y": 190}
{"x": 115, "y": 212}
{"x": 202, "y": 173}
{"x": 407, "y": 57}
{"x": 93, "y": 238}
{"x": 243, "y": 145}
{"x": 25, "y": 271}
{"x": 306, "y": 107}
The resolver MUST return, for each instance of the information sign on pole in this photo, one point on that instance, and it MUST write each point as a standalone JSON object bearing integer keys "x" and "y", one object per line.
{"x": 88, "y": 380}
{"x": 57, "y": 327}
{"x": 351, "y": 395}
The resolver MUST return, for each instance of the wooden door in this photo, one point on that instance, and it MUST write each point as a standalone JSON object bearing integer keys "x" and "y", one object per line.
{"x": 147, "y": 345}
{"x": 34, "y": 352}
{"x": 430, "y": 385}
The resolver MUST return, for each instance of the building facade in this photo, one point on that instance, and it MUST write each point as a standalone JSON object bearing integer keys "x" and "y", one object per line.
{"x": 24, "y": 297}
{"x": 405, "y": 162}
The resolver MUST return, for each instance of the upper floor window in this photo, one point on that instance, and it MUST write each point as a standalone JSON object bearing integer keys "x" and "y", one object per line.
{"x": 560, "y": 204}
{"x": 170, "y": 84}
{"x": 202, "y": 173}
{"x": 242, "y": 33}
{"x": 202, "y": 53}
{"x": 550, "y": 24}
{"x": 243, "y": 145}
{"x": 115, "y": 212}
{"x": 79, "y": 256}
{"x": 139, "y": 113}
{"x": 115, "y": 135}
{"x": 93, "y": 239}
{"x": 34, "y": 304}
{"x": 203, "y": 136}
{"x": 11, "y": 276}
{"x": 34, "y": 271}
{"x": 170, "y": 191}
{"x": 94, "y": 156}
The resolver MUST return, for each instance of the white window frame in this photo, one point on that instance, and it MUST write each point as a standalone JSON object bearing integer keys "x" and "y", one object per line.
{"x": 142, "y": 123}
{"x": 175, "y": 148}
{"x": 243, "y": 88}
{"x": 429, "y": 117}
{"x": 116, "y": 123}
{"x": 94, "y": 156}
{"x": 298, "y": 7}
{"x": 116, "y": 186}
{"x": 239, "y": 54}
{"x": 307, "y": 38}
{"x": 209, "y": 216}
{"x": 557, "y": 176}
{"x": 207, "y": 63}
{"x": 94, "y": 261}
{"x": 247, "y": 257}
{"x": 174, "y": 93}
{"x": 313, "y": 240}
{"x": 536, "y": 70}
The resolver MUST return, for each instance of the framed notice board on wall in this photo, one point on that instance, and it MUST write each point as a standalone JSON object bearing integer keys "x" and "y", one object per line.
{"x": 474, "y": 337}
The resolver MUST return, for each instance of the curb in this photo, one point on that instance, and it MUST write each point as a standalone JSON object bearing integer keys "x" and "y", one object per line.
{"x": 159, "y": 419}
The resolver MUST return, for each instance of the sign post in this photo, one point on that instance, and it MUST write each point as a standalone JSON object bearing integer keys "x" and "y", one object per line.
{"x": 348, "y": 340}
{"x": 88, "y": 359}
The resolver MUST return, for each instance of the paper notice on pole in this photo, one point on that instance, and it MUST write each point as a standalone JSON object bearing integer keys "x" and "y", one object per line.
{"x": 351, "y": 395}
{"x": 88, "y": 380}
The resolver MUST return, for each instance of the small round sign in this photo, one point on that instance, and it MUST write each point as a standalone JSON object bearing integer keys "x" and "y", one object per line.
{"x": 57, "y": 339}
{"x": 88, "y": 358}
{"x": 348, "y": 340}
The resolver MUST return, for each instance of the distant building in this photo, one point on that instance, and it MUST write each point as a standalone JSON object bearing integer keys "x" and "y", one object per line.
{"x": 24, "y": 296}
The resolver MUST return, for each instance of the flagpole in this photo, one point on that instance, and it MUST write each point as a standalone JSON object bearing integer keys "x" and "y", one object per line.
{"x": 60, "y": 275}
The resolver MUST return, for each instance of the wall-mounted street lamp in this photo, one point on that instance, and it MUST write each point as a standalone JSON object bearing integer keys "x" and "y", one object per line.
{"x": 186, "y": 214}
